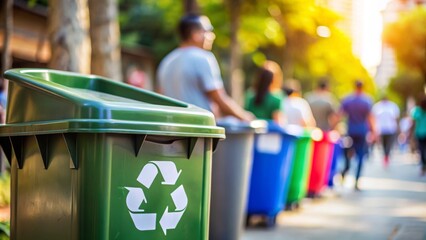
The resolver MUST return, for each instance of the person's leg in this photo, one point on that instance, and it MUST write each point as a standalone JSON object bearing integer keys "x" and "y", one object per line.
{"x": 422, "y": 151}
{"x": 347, "y": 145}
{"x": 346, "y": 154}
{"x": 360, "y": 145}
{"x": 387, "y": 142}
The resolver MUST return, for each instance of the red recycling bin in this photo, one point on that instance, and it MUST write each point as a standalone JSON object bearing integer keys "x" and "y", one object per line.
{"x": 321, "y": 161}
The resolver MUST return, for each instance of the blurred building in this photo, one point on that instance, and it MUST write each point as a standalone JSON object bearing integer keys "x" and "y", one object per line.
{"x": 356, "y": 18}
{"x": 348, "y": 9}
{"x": 361, "y": 25}
{"x": 388, "y": 67}
{"x": 29, "y": 44}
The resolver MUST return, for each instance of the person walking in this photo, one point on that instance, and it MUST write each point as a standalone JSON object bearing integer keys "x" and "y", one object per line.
{"x": 296, "y": 109}
{"x": 262, "y": 101}
{"x": 405, "y": 124}
{"x": 419, "y": 127}
{"x": 191, "y": 72}
{"x": 324, "y": 106}
{"x": 360, "y": 121}
{"x": 324, "y": 109}
{"x": 386, "y": 114}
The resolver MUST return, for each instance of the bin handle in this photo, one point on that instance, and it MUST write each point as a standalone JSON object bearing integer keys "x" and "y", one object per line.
{"x": 140, "y": 139}
{"x": 18, "y": 148}
{"x": 138, "y": 142}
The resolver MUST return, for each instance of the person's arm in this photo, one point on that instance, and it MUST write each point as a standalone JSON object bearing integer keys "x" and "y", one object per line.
{"x": 412, "y": 130}
{"x": 334, "y": 119}
{"x": 308, "y": 119}
{"x": 228, "y": 106}
{"x": 372, "y": 125}
{"x": 2, "y": 115}
{"x": 278, "y": 117}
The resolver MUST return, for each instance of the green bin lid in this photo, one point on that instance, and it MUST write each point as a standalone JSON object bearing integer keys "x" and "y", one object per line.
{"x": 44, "y": 101}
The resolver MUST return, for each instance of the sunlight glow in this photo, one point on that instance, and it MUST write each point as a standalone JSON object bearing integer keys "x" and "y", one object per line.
{"x": 372, "y": 27}
{"x": 323, "y": 31}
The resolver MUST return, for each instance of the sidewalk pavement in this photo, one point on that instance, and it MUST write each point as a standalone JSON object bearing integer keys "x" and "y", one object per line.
{"x": 391, "y": 205}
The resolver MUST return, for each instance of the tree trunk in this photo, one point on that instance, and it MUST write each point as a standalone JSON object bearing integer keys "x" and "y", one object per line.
{"x": 6, "y": 57}
{"x": 105, "y": 38}
{"x": 69, "y": 35}
{"x": 236, "y": 85}
{"x": 191, "y": 6}
{"x": 6, "y": 61}
{"x": 288, "y": 53}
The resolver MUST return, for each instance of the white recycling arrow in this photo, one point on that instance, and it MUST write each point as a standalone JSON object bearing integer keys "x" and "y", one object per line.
{"x": 169, "y": 220}
{"x": 147, "y": 175}
{"x": 179, "y": 198}
{"x": 144, "y": 221}
{"x": 168, "y": 171}
{"x": 134, "y": 199}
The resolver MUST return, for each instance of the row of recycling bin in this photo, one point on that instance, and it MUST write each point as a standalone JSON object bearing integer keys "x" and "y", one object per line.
{"x": 261, "y": 171}
{"x": 96, "y": 159}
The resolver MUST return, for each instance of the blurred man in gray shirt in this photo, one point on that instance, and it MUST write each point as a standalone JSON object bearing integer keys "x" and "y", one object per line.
{"x": 324, "y": 106}
{"x": 191, "y": 73}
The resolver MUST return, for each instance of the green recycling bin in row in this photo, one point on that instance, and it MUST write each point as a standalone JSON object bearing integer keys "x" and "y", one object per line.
{"x": 96, "y": 159}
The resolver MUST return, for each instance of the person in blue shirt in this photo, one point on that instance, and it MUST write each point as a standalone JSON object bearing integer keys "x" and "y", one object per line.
{"x": 360, "y": 121}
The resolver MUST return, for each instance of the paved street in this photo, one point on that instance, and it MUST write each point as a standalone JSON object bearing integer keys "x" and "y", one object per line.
{"x": 391, "y": 205}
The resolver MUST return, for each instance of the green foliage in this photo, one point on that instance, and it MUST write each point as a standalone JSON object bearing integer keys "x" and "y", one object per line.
{"x": 4, "y": 189}
{"x": 333, "y": 58}
{"x": 4, "y": 230}
{"x": 150, "y": 23}
{"x": 33, "y": 3}
{"x": 217, "y": 13}
{"x": 407, "y": 36}
{"x": 407, "y": 83}
{"x": 4, "y": 201}
{"x": 280, "y": 30}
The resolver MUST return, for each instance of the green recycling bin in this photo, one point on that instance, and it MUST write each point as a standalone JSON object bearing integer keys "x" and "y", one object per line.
{"x": 301, "y": 167}
{"x": 96, "y": 159}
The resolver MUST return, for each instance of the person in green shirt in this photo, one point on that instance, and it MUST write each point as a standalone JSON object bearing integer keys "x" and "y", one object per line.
{"x": 419, "y": 125}
{"x": 261, "y": 101}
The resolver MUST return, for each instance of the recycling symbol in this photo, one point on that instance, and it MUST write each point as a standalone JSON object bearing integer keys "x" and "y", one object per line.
{"x": 145, "y": 220}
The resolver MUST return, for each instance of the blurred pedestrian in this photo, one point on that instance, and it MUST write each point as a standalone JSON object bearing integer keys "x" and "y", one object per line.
{"x": 296, "y": 109}
{"x": 405, "y": 124}
{"x": 386, "y": 114}
{"x": 324, "y": 109}
{"x": 360, "y": 121}
{"x": 261, "y": 100}
{"x": 419, "y": 127}
{"x": 191, "y": 72}
{"x": 324, "y": 106}
{"x": 136, "y": 76}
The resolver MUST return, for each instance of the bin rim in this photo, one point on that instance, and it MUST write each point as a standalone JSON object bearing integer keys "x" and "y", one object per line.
{"x": 233, "y": 125}
{"x": 85, "y": 126}
{"x": 290, "y": 130}
{"x": 130, "y": 110}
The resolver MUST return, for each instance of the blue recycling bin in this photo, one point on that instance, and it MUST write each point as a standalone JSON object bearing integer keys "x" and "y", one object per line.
{"x": 337, "y": 153}
{"x": 272, "y": 164}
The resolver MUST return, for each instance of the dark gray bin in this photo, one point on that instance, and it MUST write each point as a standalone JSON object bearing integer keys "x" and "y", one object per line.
{"x": 232, "y": 162}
